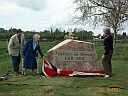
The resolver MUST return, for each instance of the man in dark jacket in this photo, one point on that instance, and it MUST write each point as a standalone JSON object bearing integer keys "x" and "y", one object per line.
{"x": 108, "y": 47}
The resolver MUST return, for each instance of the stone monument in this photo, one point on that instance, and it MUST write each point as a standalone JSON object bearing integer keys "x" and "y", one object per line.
{"x": 75, "y": 55}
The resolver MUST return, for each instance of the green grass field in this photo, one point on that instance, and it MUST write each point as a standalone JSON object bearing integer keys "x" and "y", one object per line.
{"x": 67, "y": 86}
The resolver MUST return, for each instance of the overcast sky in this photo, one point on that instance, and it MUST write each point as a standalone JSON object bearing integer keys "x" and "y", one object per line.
{"x": 38, "y": 14}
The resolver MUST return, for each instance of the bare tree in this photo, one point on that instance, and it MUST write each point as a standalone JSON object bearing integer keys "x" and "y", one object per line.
{"x": 112, "y": 13}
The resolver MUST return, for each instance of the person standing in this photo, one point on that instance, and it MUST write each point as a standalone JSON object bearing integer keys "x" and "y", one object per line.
{"x": 108, "y": 47}
{"x": 15, "y": 48}
{"x": 31, "y": 50}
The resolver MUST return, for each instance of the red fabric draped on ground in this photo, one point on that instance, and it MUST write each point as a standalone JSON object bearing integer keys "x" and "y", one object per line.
{"x": 51, "y": 71}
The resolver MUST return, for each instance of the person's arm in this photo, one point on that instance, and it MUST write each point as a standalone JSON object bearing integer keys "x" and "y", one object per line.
{"x": 106, "y": 46}
{"x": 27, "y": 48}
{"x": 110, "y": 45}
{"x": 10, "y": 45}
{"x": 22, "y": 44}
{"x": 40, "y": 52}
{"x": 24, "y": 49}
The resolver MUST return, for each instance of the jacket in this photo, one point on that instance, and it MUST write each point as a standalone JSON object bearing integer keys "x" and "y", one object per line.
{"x": 14, "y": 47}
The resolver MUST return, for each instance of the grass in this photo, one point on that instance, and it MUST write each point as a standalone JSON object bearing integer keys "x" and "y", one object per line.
{"x": 67, "y": 86}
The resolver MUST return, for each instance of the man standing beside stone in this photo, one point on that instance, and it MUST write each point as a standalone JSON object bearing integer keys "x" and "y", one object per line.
{"x": 15, "y": 48}
{"x": 108, "y": 47}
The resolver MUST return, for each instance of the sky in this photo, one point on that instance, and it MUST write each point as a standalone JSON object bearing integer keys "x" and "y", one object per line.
{"x": 39, "y": 15}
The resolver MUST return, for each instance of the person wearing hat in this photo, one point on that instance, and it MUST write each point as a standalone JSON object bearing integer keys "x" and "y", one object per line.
{"x": 31, "y": 50}
{"x": 15, "y": 47}
{"x": 108, "y": 47}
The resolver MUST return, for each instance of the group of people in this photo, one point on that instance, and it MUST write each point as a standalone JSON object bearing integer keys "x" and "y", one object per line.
{"x": 29, "y": 51}
{"x": 18, "y": 49}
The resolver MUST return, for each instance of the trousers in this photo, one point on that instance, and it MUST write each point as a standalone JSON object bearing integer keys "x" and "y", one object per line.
{"x": 106, "y": 61}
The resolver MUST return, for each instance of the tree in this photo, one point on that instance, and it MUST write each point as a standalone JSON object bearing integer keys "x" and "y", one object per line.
{"x": 2, "y": 30}
{"x": 83, "y": 34}
{"x": 124, "y": 35}
{"x": 59, "y": 34}
{"x": 112, "y": 13}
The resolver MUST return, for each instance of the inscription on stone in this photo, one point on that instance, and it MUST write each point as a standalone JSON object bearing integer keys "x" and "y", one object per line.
{"x": 74, "y": 55}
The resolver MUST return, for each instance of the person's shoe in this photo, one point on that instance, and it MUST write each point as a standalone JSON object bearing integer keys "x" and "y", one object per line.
{"x": 17, "y": 73}
{"x": 34, "y": 73}
{"x": 23, "y": 71}
{"x": 106, "y": 76}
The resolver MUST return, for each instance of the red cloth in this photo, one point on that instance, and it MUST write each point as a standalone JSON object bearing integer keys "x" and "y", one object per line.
{"x": 51, "y": 71}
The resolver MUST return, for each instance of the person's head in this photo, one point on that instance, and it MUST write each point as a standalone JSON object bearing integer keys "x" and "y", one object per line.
{"x": 19, "y": 33}
{"x": 107, "y": 31}
{"x": 36, "y": 37}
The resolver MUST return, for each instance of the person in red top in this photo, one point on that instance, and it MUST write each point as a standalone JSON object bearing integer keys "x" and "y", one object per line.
{"x": 108, "y": 51}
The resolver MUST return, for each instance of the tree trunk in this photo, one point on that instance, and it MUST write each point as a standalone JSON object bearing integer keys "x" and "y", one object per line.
{"x": 115, "y": 37}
